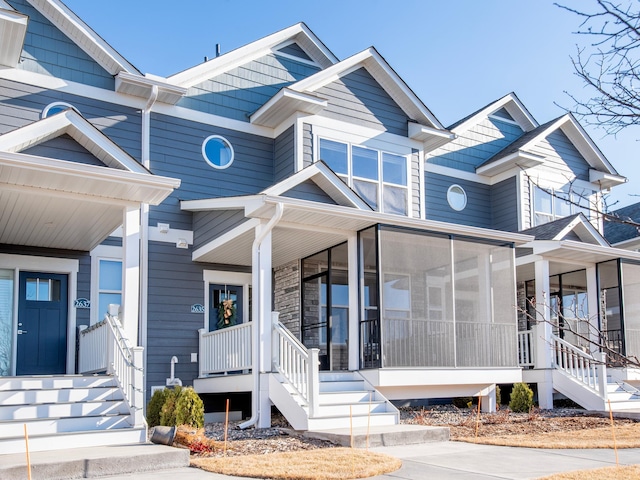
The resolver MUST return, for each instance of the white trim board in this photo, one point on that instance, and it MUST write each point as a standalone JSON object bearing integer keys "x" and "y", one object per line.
{"x": 221, "y": 277}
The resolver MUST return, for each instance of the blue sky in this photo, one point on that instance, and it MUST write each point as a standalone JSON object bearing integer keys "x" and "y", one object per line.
{"x": 456, "y": 55}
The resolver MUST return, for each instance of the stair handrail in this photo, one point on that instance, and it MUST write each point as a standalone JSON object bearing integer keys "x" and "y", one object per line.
{"x": 298, "y": 365}
{"x": 586, "y": 368}
{"x": 124, "y": 362}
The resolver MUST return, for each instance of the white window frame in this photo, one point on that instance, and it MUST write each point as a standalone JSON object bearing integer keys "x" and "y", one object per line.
{"x": 573, "y": 196}
{"x": 101, "y": 252}
{"x": 381, "y": 184}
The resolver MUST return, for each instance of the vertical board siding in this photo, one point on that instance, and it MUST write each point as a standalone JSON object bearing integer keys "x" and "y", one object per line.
{"x": 504, "y": 205}
{"x": 474, "y": 146}
{"x": 176, "y": 151}
{"x": 477, "y": 212}
{"x": 358, "y": 98}
{"x": 307, "y": 145}
{"x": 64, "y": 148}
{"x": 209, "y": 225}
{"x": 22, "y": 104}
{"x": 284, "y": 155}
{"x": 48, "y": 51}
{"x": 241, "y": 91}
{"x": 561, "y": 156}
{"x": 415, "y": 183}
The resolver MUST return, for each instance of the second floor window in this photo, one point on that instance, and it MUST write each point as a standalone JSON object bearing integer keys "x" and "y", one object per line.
{"x": 551, "y": 204}
{"x": 380, "y": 178}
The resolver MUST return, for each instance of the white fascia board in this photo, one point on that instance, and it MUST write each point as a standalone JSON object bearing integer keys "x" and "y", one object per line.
{"x": 223, "y": 203}
{"x": 73, "y": 27}
{"x": 520, "y": 158}
{"x": 586, "y": 145}
{"x": 606, "y": 180}
{"x": 225, "y": 238}
{"x": 455, "y": 173}
{"x": 397, "y": 220}
{"x": 379, "y": 69}
{"x": 431, "y": 138}
{"x": 240, "y": 56}
{"x": 579, "y": 221}
{"x": 285, "y": 103}
{"x": 49, "y": 166}
{"x": 4, "y": 5}
{"x": 497, "y": 105}
{"x": 13, "y": 28}
{"x": 170, "y": 93}
{"x": 629, "y": 243}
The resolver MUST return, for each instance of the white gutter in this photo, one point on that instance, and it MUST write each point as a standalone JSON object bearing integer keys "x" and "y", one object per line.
{"x": 258, "y": 313}
{"x": 144, "y": 222}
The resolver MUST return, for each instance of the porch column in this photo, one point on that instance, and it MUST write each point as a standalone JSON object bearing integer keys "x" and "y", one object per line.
{"x": 354, "y": 304}
{"x": 262, "y": 288}
{"x": 542, "y": 332}
{"x": 593, "y": 306}
{"x": 131, "y": 273}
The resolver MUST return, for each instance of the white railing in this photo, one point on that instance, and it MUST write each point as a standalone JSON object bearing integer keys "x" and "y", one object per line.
{"x": 225, "y": 350}
{"x": 526, "y": 349}
{"x": 579, "y": 365}
{"x": 115, "y": 355}
{"x": 298, "y": 366}
{"x": 92, "y": 351}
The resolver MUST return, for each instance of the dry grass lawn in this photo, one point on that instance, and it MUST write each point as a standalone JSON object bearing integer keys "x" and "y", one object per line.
{"x": 330, "y": 463}
{"x": 608, "y": 473}
{"x": 627, "y": 436}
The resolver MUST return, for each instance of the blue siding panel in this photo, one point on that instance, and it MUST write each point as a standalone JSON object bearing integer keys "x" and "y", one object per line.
{"x": 504, "y": 205}
{"x": 208, "y": 226}
{"x": 284, "y": 155}
{"x": 477, "y": 212}
{"x": 359, "y": 98}
{"x": 241, "y": 91}
{"x": 50, "y": 52}
{"x": 309, "y": 191}
{"x": 64, "y": 148}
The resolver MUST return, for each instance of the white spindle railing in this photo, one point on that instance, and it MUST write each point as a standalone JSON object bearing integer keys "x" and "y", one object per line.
{"x": 298, "y": 366}
{"x": 579, "y": 365}
{"x": 526, "y": 349}
{"x": 225, "y": 350}
{"x": 114, "y": 354}
{"x": 92, "y": 351}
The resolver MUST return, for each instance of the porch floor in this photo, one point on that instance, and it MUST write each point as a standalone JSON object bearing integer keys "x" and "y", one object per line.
{"x": 382, "y": 436}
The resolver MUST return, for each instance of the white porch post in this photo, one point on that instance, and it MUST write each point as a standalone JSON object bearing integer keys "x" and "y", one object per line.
{"x": 542, "y": 333}
{"x": 131, "y": 272}
{"x": 593, "y": 306}
{"x": 263, "y": 309}
{"x": 354, "y": 305}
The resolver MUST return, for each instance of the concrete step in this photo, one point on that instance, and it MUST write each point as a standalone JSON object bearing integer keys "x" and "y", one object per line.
{"x": 61, "y": 410}
{"x": 361, "y": 420}
{"x": 94, "y": 462}
{"x": 46, "y": 426}
{"x": 346, "y": 409}
{"x": 49, "y": 382}
{"x": 378, "y": 436}
{"x": 78, "y": 394}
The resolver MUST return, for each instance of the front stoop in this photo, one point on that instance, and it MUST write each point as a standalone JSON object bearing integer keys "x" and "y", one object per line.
{"x": 382, "y": 436}
{"x": 93, "y": 462}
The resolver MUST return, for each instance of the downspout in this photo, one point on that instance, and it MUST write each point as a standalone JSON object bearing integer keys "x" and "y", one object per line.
{"x": 144, "y": 221}
{"x": 259, "y": 318}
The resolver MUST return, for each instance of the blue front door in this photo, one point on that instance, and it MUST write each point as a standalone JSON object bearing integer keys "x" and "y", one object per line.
{"x": 42, "y": 324}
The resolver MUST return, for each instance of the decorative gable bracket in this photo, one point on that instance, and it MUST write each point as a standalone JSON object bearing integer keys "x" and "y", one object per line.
{"x": 13, "y": 28}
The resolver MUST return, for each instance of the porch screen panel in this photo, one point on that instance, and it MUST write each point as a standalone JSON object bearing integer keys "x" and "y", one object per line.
{"x": 610, "y": 315}
{"x": 417, "y": 310}
{"x": 504, "y": 352}
{"x": 631, "y": 312}
{"x": 6, "y": 321}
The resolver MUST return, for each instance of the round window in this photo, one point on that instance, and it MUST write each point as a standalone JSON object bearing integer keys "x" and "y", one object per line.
{"x": 457, "y": 197}
{"x": 217, "y": 151}
{"x": 56, "y": 107}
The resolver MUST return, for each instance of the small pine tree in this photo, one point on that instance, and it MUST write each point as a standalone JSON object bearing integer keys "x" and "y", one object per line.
{"x": 498, "y": 396}
{"x": 521, "y": 398}
{"x": 168, "y": 410}
{"x": 189, "y": 409}
{"x": 154, "y": 407}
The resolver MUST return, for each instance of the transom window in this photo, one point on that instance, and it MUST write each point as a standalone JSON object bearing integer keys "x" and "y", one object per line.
{"x": 380, "y": 178}
{"x": 551, "y": 204}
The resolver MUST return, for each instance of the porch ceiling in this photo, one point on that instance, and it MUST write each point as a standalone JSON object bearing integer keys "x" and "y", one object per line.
{"x": 59, "y": 204}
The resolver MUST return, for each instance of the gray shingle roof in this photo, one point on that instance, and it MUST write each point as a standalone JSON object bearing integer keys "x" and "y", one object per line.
{"x": 548, "y": 231}
{"x": 471, "y": 115}
{"x": 616, "y": 232}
